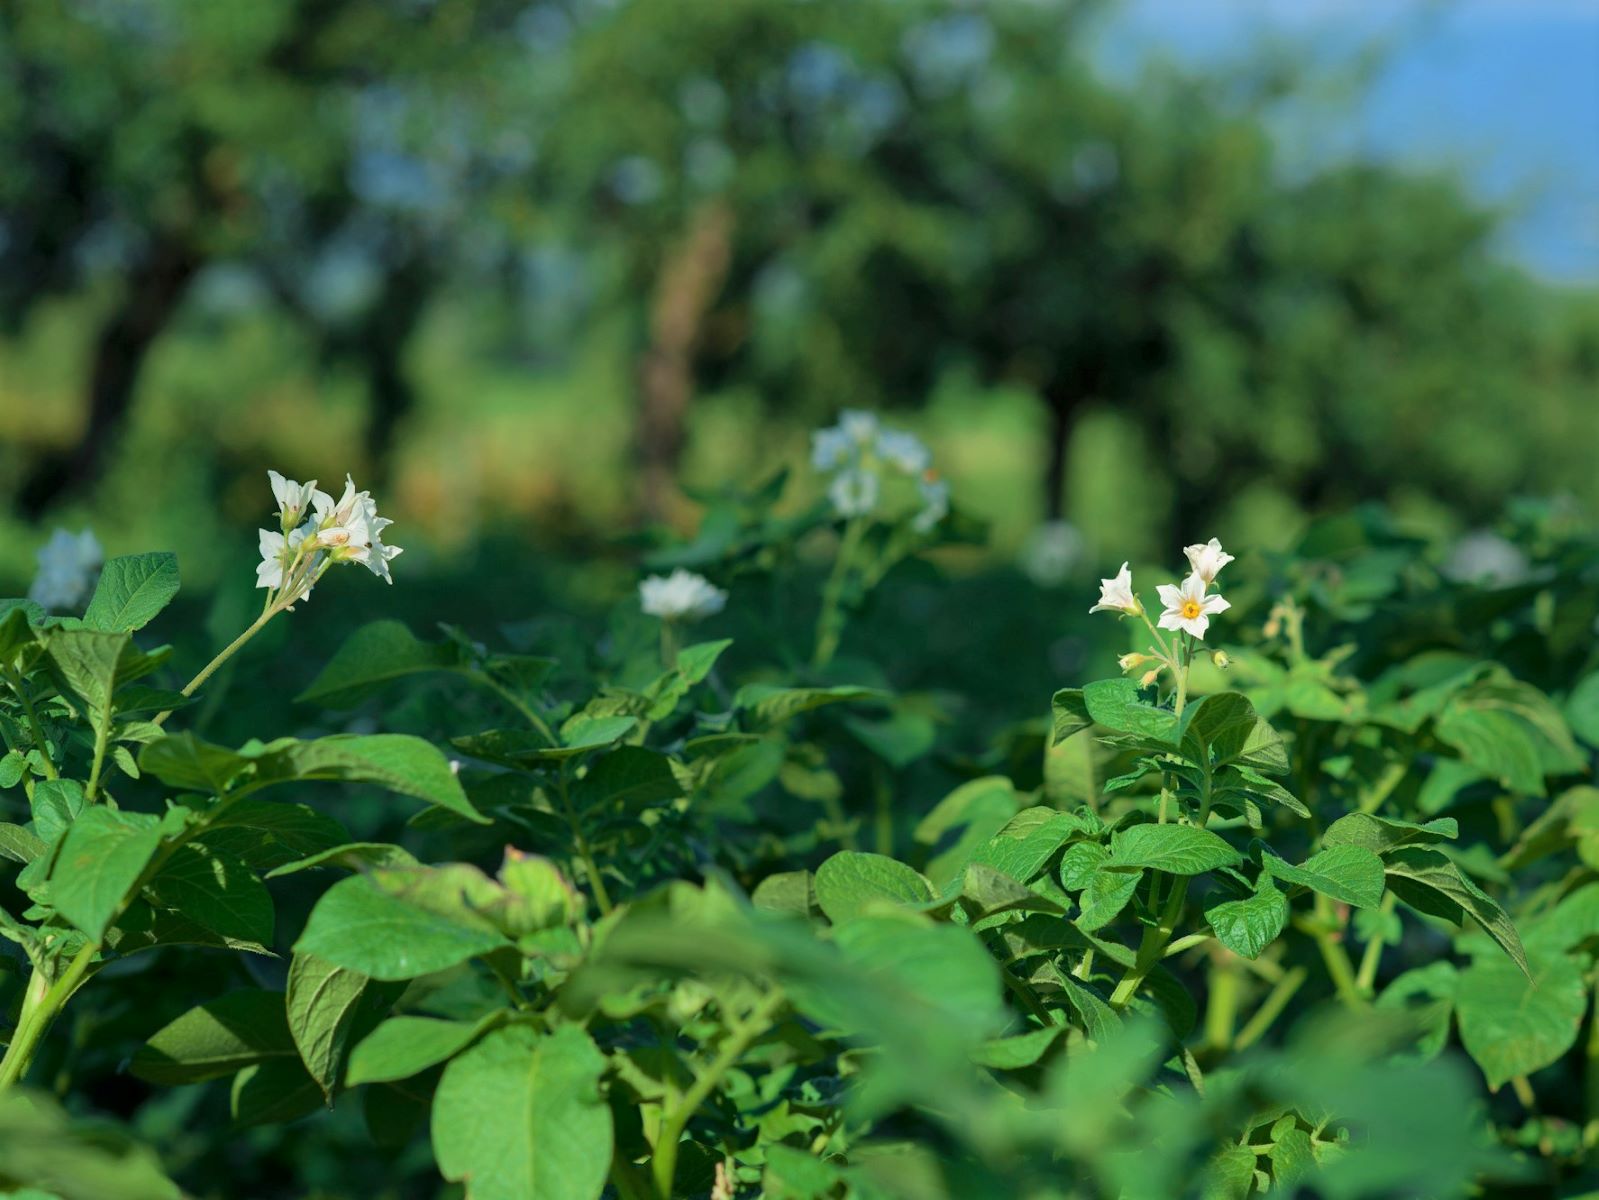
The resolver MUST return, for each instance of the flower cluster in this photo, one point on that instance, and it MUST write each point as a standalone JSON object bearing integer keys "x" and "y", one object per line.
{"x": 680, "y": 596}
{"x": 67, "y": 563}
{"x": 858, "y": 450}
{"x": 297, "y": 555}
{"x": 1188, "y": 608}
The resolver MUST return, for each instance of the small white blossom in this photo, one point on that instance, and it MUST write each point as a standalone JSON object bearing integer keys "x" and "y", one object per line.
{"x": 1487, "y": 559}
{"x": 1051, "y": 552}
{"x": 854, "y": 492}
{"x": 1207, "y": 560}
{"x": 858, "y": 425}
{"x": 294, "y": 499}
{"x": 831, "y": 448}
{"x": 278, "y": 553}
{"x": 351, "y": 530}
{"x": 1116, "y": 594}
{"x": 680, "y": 596}
{"x": 67, "y": 563}
{"x": 1188, "y": 607}
{"x": 903, "y": 450}
{"x": 935, "y": 502}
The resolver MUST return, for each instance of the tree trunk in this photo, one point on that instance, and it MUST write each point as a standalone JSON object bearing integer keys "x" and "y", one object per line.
{"x": 156, "y": 288}
{"x": 690, "y": 279}
{"x": 384, "y": 338}
{"x": 1062, "y": 397}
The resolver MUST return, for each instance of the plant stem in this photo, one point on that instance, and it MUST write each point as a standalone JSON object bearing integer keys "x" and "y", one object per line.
{"x": 540, "y": 725}
{"x": 740, "y": 1037}
{"x": 584, "y": 853}
{"x": 37, "y": 1017}
{"x": 227, "y": 652}
{"x": 1333, "y": 954}
{"x": 830, "y": 622}
{"x": 14, "y": 678}
{"x": 1270, "y": 1008}
{"x": 1366, "y": 979}
{"x": 1221, "y": 1006}
{"x": 92, "y": 788}
{"x": 1153, "y": 946}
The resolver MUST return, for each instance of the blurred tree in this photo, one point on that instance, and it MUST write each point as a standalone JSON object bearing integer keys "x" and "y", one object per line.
{"x": 330, "y": 148}
{"x": 921, "y": 186}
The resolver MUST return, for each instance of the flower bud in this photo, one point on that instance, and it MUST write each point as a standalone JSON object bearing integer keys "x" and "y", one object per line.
{"x": 1128, "y": 661}
{"x": 1221, "y": 660}
{"x": 1149, "y": 678}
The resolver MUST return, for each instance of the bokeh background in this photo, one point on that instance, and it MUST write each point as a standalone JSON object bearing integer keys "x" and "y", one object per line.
{"x": 538, "y": 272}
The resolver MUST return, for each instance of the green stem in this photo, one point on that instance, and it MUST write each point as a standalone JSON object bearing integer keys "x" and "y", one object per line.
{"x": 101, "y": 733}
{"x": 227, "y": 652}
{"x": 1333, "y": 953}
{"x": 539, "y": 724}
{"x": 1270, "y": 1008}
{"x": 830, "y": 622}
{"x": 1221, "y": 1006}
{"x": 1153, "y": 945}
{"x": 740, "y": 1038}
{"x": 14, "y": 678}
{"x": 1366, "y": 979}
{"x": 36, "y": 1018}
{"x": 584, "y": 852}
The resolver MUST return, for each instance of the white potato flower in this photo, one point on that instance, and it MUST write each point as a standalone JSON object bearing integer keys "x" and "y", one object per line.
{"x": 831, "y": 448}
{"x": 680, "y": 596}
{"x": 854, "y": 492}
{"x": 903, "y": 450}
{"x": 1207, "y": 560}
{"x": 294, "y": 499}
{"x": 1116, "y": 594}
{"x": 859, "y": 425}
{"x": 1188, "y": 607}
{"x": 278, "y": 552}
{"x": 67, "y": 563}
{"x": 350, "y": 530}
{"x": 1052, "y": 551}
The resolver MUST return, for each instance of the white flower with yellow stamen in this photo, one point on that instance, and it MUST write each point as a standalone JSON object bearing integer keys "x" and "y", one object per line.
{"x": 294, "y": 499}
{"x": 680, "y": 596}
{"x": 1188, "y": 607}
{"x": 1207, "y": 559}
{"x": 350, "y": 530}
{"x": 1116, "y": 594}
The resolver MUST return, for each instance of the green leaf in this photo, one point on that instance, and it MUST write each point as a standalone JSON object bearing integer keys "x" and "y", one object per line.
{"x": 992, "y": 891}
{"x": 131, "y": 591}
{"x": 84, "y": 665}
{"x": 216, "y": 891}
{"x": 351, "y": 856}
{"x": 694, "y": 663}
{"x": 323, "y": 1002}
{"x": 1175, "y": 849}
{"x": 1382, "y": 834}
{"x": 1028, "y": 841}
{"x": 768, "y": 705}
{"x": 1514, "y": 1023}
{"x": 273, "y": 1093}
{"x": 56, "y": 804}
{"x": 1348, "y": 874}
{"x": 1431, "y": 883}
{"x": 1248, "y": 926}
{"x": 1021, "y": 1050}
{"x": 101, "y": 859}
{"x": 520, "y": 1115}
{"x": 372, "y": 656}
{"x": 216, "y": 1039}
{"x": 1225, "y": 729}
{"x": 1107, "y": 893}
{"x": 1070, "y": 715}
{"x": 630, "y": 778}
{"x": 358, "y": 925}
{"x": 851, "y": 883}
{"x": 404, "y": 1046}
{"x": 1582, "y": 708}
{"x": 19, "y": 844}
{"x": 1497, "y": 744}
{"x": 1116, "y": 705}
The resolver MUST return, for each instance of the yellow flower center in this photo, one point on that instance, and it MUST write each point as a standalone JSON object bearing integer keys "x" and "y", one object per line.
{"x": 1190, "y": 609}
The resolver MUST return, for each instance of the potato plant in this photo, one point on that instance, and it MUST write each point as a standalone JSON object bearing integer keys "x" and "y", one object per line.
{"x": 1302, "y": 901}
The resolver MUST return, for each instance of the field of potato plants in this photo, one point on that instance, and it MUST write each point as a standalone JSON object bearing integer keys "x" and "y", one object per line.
{"x": 1276, "y": 874}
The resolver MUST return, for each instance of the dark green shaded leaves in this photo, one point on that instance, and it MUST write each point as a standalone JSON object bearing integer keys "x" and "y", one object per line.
{"x": 404, "y": 1046}
{"x": 372, "y": 656}
{"x": 1431, "y": 883}
{"x": 217, "y": 1038}
{"x": 217, "y": 891}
